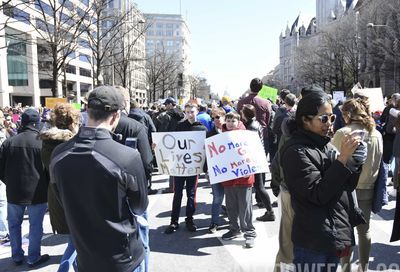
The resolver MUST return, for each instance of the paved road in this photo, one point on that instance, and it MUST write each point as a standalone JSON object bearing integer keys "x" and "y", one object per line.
{"x": 201, "y": 251}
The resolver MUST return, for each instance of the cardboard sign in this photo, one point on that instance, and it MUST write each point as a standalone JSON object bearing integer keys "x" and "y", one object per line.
{"x": 52, "y": 101}
{"x": 235, "y": 154}
{"x": 180, "y": 154}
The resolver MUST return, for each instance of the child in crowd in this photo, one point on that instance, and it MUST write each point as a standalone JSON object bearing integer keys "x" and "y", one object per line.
{"x": 238, "y": 195}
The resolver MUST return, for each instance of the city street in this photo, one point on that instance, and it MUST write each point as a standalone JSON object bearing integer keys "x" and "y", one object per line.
{"x": 201, "y": 251}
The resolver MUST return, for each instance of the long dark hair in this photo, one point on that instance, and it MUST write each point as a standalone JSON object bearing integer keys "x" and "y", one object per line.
{"x": 308, "y": 106}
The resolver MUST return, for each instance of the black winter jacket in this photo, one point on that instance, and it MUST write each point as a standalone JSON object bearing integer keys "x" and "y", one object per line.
{"x": 21, "y": 168}
{"x": 169, "y": 121}
{"x": 129, "y": 127}
{"x": 319, "y": 188}
{"x": 99, "y": 182}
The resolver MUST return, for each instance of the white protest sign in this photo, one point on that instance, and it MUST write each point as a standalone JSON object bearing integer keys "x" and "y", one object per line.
{"x": 375, "y": 98}
{"x": 235, "y": 154}
{"x": 180, "y": 154}
{"x": 338, "y": 96}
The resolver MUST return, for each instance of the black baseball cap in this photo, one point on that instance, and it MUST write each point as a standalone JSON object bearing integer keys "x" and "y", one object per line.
{"x": 170, "y": 100}
{"x": 106, "y": 98}
{"x": 30, "y": 116}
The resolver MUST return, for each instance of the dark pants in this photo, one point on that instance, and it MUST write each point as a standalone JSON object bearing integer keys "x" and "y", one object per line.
{"x": 261, "y": 192}
{"x": 313, "y": 261}
{"x": 191, "y": 187}
{"x": 387, "y": 155}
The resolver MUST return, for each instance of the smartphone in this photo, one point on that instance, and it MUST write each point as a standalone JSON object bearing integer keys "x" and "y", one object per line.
{"x": 131, "y": 142}
{"x": 359, "y": 132}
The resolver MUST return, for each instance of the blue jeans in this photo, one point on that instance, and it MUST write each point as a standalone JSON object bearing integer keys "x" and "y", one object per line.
{"x": 3, "y": 211}
{"x": 15, "y": 217}
{"x": 312, "y": 261}
{"x": 69, "y": 258}
{"x": 144, "y": 235}
{"x": 141, "y": 267}
{"x": 218, "y": 198}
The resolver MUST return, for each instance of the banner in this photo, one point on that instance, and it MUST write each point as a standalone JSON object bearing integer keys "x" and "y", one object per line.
{"x": 235, "y": 154}
{"x": 180, "y": 154}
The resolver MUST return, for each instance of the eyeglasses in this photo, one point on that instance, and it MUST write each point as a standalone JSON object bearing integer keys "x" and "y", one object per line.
{"x": 216, "y": 117}
{"x": 327, "y": 117}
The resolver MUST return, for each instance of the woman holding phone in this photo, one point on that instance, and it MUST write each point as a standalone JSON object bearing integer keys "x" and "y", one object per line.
{"x": 358, "y": 119}
{"x": 319, "y": 182}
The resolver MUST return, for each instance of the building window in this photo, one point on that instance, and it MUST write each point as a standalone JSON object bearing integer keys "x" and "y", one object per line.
{"x": 84, "y": 58}
{"x": 85, "y": 72}
{"x": 40, "y": 24}
{"x": 159, "y": 25}
{"x": 17, "y": 65}
{"x": 84, "y": 43}
{"x": 170, "y": 43}
{"x": 16, "y": 13}
{"x": 169, "y": 26}
{"x": 177, "y": 33}
{"x": 169, "y": 33}
{"x": 67, "y": 4}
{"x": 70, "y": 69}
{"x": 43, "y": 7}
{"x": 159, "y": 33}
{"x": 150, "y": 32}
{"x": 45, "y": 83}
{"x": 86, "y": 2}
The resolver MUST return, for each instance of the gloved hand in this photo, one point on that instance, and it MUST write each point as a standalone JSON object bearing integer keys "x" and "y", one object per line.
{"x": 358, "y": 158}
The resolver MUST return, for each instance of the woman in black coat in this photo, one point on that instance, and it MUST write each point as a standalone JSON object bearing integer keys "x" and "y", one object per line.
{"x": 320, "y": 182}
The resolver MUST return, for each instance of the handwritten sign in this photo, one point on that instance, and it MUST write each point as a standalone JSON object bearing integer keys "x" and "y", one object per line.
{"x": 180, "y": 153}
{"x": 51, "y": 102}
{"x": 235, "y": 154}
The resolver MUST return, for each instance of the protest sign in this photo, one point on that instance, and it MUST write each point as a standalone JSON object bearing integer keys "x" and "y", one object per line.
{"x": 234, "y": 154}
{"x": 180, "y": 153}
{"x": 268, "y": 93}
{"x": 375, "y": 98}
{"x": 50, "y": 102}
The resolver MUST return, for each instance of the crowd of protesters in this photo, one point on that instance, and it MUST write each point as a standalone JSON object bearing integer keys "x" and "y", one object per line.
{"x": 329, "y": 161}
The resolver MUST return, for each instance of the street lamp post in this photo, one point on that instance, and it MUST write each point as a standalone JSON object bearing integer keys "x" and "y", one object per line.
{"x": 372, "y": 25}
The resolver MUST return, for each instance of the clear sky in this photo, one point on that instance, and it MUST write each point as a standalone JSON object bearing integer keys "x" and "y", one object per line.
{"x": 233, "y": 41}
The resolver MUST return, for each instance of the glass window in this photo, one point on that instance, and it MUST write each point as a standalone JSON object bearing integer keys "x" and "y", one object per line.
{"x": 169, "y": 26}
{"x": 170, "y": 43}
{"x": 45, "y": 83}
{"x": 169, "y": 33}
{"x": 159, "y": 33}
{"x": 66, "y": 19}
{"x": 42, "y": 6}
{"x": 177, "y": 33}
{"x": 17, "y": 66}
{"x": 67, "y": 4}
{"x": 159, "y": 25}
{"x": 85, "y": 72}
{"x": 150, "y": 32}
{"x": 84, "y": 58}
{"x": 84, "y": 43}
{"x": 86, "y": 2}
{"x": 72, "y": 55}
{"x": 16, "y": 13}
{"x": 70, "y": 69}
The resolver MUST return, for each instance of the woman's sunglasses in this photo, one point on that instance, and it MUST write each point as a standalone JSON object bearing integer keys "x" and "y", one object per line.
{"x": 325, "y": 118}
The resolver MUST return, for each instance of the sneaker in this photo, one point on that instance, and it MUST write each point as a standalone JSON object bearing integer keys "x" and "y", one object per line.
{"x": 190, "y": 225}
{"x": 212, "y": 228}
{"x": 268, "y": 216}
{"x": 230, "y": 235}
{"x": 249, "y": 243}
{"x": 5, "y": 239}
{"x": 44, "y": 258}
{"x": 171, "y": 228}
